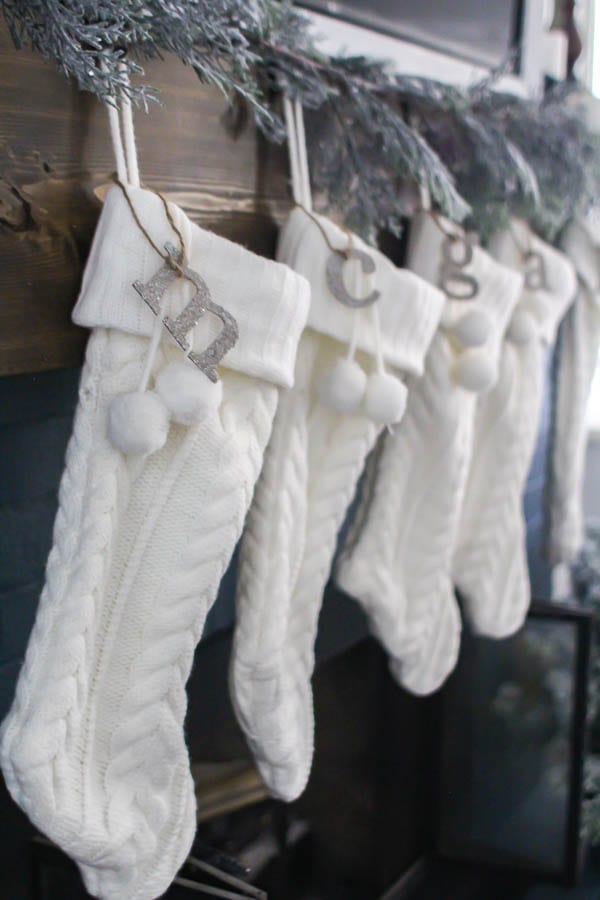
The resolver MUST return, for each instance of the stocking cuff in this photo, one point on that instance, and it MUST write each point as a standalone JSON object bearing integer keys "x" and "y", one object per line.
{"x": 268, "y": 300}
{"x": 498, "y": 287}
{"x": 409, "y": 308}
{"x": 547, "y": 305}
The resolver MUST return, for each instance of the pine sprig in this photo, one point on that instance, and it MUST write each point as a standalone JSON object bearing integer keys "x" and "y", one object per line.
{"x": 559, "y": 148}
{"x": 361, "y": 153}
{"x": 361, "y": 147}
{"x": 88, "y": 41}
{"x": 99, "y": 44}
{"x": 478, "y": 153}
{"x": 489, "y": 169}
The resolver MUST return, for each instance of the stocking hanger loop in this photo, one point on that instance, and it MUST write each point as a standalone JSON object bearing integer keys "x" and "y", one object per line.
{"x": 120, "y": 118}
{"x": 298, "y": 157}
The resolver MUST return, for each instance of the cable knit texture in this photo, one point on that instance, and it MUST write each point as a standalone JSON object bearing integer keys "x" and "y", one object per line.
{"x": 312, "y": 466}
{"x": 490, "y": 564}
{"x": 399, "y": 566}
{"x": 578, "y": 346}
{"x": 93, "y": 748}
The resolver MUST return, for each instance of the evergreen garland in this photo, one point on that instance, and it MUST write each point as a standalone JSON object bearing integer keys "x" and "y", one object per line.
{"x": 481, "y": 155}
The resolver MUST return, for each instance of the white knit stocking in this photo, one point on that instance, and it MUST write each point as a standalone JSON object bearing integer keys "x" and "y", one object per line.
{"x": 578, "y": 346}
{"x": 490, "y": 563}
{"x": 93, "y": 748}
{"x": 312, "y": 466}
{"x": 399, "y": 567}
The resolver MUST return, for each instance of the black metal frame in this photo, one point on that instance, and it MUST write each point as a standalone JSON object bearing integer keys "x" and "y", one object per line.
{"x": 569, "y": 872}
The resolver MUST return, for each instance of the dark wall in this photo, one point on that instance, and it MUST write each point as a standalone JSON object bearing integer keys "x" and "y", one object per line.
{"x": 36, "y": 414}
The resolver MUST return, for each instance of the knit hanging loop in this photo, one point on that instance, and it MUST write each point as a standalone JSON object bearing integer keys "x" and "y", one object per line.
{"x": 298, "y": 157}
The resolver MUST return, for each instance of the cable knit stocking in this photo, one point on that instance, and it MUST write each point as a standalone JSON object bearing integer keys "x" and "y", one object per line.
{"x": 93, "y": 748}
{"x": 312, "y": 466}
{"x": 399, "y": 566}
{"x": 490, "y": 564}
{"x": 578, "y": 346}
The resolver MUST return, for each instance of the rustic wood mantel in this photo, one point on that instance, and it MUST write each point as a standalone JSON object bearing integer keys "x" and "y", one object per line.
{"x": 55, "y": 149}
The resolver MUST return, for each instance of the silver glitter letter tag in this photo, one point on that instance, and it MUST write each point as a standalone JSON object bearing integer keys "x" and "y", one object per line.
{"x": 152, "y": 291}
{"x": 335, "y": 277}
{"x": 179, "y": 327}
{"x": 455, "y": 283}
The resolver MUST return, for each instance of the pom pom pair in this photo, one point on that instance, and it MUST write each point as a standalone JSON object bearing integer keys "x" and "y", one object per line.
{"x": 346, "y": 386}
{"x": 473, "y": 369}
{"x": 138, "y": 422}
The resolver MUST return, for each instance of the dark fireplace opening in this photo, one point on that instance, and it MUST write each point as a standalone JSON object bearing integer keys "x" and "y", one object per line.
{"x": 367, "y": 814}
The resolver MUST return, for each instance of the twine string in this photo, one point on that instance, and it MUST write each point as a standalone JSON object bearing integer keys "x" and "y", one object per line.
{"x": 347, "y": 250}
{"x": 179, "y": 264}
{"x": 454, "y": 234}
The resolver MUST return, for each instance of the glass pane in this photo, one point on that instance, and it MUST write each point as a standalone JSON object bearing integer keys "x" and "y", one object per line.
{"x": 483, "y": 32}
{"x": 507, "y": 760}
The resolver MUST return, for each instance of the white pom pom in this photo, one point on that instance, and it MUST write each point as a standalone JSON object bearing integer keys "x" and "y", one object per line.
{"x": 188, "y": 394}
{"x": 385, "y": 398}
{"x": 343, "y": 386}
{"x": 473, "y": 329}
{"x": 474, "y": 371}
{"x": 137, "y": 423}
{"x": 538, "y": 305}
{"x": 521, "y": 328}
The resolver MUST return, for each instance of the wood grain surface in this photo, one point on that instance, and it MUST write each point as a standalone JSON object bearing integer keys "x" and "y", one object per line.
{"x": 55, "y": 149}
